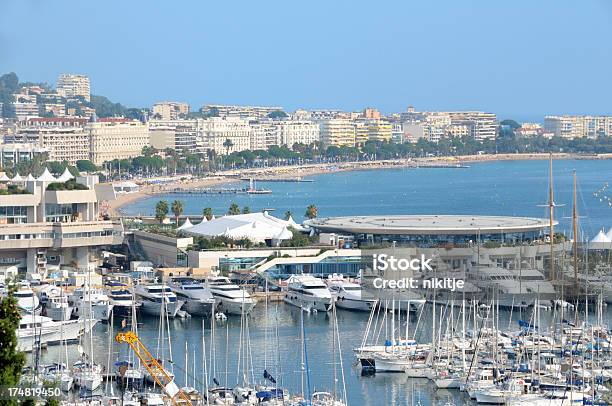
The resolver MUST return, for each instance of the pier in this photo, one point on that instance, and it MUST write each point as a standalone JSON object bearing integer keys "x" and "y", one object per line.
{"x": 220, "y": 191}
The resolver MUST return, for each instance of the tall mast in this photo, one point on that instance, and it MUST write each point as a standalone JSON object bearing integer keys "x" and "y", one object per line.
{"x": 575, "y": 225}
{"x": 551, "y": 207}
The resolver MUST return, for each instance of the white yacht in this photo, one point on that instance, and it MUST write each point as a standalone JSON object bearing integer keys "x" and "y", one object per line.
{"x": 86, "y": 297}
{"x": 232, "y": 299}
{"x": 155, "y": 296}
{"x": 27, "y": 301}
{"x": 199, "y": 300}
{"x": 512, "y": 288}
{"x": 308, "y": 293}
{"x": 87, "y": 376}
{"x": 34, "y": 330}
{"x": 121, "y": 297}
{"x": 348, "y": 295}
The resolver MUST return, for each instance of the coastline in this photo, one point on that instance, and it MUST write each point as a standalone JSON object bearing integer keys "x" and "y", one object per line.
{"x": 295, "y": 171}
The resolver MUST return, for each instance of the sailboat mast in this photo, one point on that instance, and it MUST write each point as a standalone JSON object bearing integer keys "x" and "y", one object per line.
{"x": 575, "y": 226}
{"x": 551, "y": 207}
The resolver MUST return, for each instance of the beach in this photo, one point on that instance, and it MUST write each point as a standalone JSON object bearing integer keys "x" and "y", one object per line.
{"x": 299, "y": 171}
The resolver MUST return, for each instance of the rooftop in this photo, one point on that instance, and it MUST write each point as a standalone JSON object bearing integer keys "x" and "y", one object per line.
{"x": 429, "y": 224}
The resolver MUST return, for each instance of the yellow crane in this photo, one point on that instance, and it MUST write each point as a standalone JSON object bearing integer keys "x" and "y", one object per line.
{"x": 157, "y": 371}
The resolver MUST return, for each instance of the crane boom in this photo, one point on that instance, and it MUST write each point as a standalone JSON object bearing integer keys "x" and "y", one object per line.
{"x": 149, "y": 361}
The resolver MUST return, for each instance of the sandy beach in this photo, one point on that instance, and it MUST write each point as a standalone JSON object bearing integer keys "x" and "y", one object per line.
{"x": 295, "y": 171}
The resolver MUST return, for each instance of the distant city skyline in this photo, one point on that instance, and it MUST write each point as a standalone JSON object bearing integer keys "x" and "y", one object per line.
{"x": 519, "y": 60}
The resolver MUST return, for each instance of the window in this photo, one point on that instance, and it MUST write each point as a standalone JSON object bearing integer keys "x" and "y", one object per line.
{"x": 59, "y": 213}
{"x": 13, "y": 214}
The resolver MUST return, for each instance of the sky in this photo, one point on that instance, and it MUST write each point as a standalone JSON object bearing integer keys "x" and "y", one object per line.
{"x": 520, "y": 58}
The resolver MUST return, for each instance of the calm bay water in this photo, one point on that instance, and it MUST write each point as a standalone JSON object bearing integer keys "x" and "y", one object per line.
{"x": 500, "y": 188}
{"x": 514, "y": 188}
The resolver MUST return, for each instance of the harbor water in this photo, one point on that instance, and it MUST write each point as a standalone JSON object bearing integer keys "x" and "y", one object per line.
{"x": 511, "y": 188}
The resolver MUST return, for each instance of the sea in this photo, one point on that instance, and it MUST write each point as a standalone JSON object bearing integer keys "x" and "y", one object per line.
{"x": 272, "y": 336}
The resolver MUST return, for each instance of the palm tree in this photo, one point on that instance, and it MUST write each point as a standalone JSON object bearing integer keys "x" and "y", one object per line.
{"x": 227, "y": 144}
{"x": 311, "y": 211}
{"x": 177, "y": 209}
{"x": 246, "y": 210}
{"x": 161, "y": 210}
{"x": 208, "y": 213}
{"x": 233, "y": 209}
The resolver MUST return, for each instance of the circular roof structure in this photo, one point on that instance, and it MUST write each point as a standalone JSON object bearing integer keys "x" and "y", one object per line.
{"x": 429, "y": 224}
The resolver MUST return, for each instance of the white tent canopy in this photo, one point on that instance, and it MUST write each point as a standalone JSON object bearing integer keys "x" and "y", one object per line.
{"x": 30, "y": 178}
{"x": 46, "y": 177}
{"x": 257, "y": 227}
{"x": 601, "y": 237}
{"x": 4, "y": 178}
{"x": 187, "y": 224}
{"x": 609, "y": 234}
{"x": 17, "y": 178}
{"x": 66, "y": 176}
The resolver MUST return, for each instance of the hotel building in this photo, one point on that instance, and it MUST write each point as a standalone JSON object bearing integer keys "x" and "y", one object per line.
{"x": 46, "y": 230}
{"x": 65, "y": 140}
{"x": 247, "y": 112}
{"x": 217, "y": 130}
{"x": 116, "y": 139}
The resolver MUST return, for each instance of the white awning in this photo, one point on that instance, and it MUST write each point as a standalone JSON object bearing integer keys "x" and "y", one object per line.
{"x": 187, "y": 224}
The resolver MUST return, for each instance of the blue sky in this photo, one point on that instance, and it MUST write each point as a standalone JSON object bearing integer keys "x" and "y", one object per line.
{"x": 520, "y": 58}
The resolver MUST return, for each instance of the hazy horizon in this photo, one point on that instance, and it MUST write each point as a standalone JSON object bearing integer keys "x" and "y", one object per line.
{"x": 518, "y": 60}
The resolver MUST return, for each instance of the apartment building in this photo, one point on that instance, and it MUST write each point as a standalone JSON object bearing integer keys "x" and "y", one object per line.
{"x": 480, "y": 125}
{"x": 379, "y": 130}
{"x": 116, "y": 139}
{"x": 578, "y": 126}
{"x": 169, "y": 110}
{"x": 245, "y": 112}
{"x": 47, "y": 230}
{"x": 337, "y": 132}
{"x": 72, "y": 86}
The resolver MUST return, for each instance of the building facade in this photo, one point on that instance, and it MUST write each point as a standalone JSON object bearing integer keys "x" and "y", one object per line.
{"x": 116, "y": 139}
{"x": 337, "y": 132}
{"x": 44, "y": 230}
{"x": 169, "y": 110}
{"x": 72, "y": 86}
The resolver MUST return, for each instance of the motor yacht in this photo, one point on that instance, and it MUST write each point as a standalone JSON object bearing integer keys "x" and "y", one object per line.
{"x": 232, "y": 299}
{"x": 198, "y": 298}
{"x": 156, "y": 296}
{"x": 348, "y": 295}
{"x": 308, "y": 293}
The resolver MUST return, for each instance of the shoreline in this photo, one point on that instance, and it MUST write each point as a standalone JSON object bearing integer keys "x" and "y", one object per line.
{"x": 295, "y": 171}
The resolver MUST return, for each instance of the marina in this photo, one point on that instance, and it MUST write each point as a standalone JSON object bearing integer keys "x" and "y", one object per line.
{"x": 276, "y": 324}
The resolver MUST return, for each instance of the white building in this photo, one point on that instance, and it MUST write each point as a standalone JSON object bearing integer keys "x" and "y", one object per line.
{"x": 70, "y": 86}
{"x": 45, "y": 230}
{"x": 116, "y": 139}
{"x": 225, "y": 135}
{"x": 12, "y": 154}
{"x": 578, "y": 126}
{"x": 246, "y": 112}
{"x": 297, "y": 132}
{"x": 63, "y": 143}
